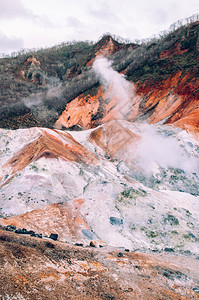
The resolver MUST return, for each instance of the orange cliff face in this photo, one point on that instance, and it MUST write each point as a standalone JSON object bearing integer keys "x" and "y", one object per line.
{"x": 173, "y": 101}
{"x": 164, "y": 71}
{"x": 90, "y": 111}
{"x": 80, "y": 111}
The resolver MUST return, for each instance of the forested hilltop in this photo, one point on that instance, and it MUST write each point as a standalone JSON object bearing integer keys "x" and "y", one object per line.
{"x": 50, "y": 78}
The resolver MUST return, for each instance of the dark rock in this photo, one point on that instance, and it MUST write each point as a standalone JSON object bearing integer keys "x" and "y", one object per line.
{"x": 196, "y": 289}
{"x": 54, "y": 236}
{"x": 25, "y": 231}
{"x": 39, "y": 235}
{"x": 166, "y": 274}
{"x": 49, "y": 245}
{"x": 171, "y": 274}
{"x": 120, "y": 254}
{"x": 116, "y": 221}
{"x": 79, "y": 244}
{"x": 31, "y": 232}
{"x": 21, "y": 231}
{"x": 92, "y": 244}
{"x": 172, "y": 220}
{"x": 169, "y": 250}
{"x": 128, "y": 290}
{"x": 5, "y": 238}
{"x": 10, "y": 228}
{"x": 127, "y": 250}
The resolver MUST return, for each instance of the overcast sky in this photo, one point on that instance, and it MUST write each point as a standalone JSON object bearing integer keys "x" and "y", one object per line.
{"x": 42, "y": 23}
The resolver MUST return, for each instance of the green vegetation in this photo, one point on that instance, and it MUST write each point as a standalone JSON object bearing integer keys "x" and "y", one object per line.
{"x": 66, "y": 67}
{"x": 173, "y": 178}
{"x": 131, "y": 194}
{"x": 170, "y": 219}
{"x": 35, "y": 168}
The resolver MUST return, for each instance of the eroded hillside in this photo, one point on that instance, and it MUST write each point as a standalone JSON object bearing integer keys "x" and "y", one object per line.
{"x": 99, "y": 180}
{"x": 164, "y": 72}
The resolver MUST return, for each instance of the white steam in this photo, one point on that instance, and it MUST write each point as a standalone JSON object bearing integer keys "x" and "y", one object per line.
{"x": 53, "y": 90}
{"x": 33, "y": 100}
{"x": 114, "y": 83}
{"x": 165, "y": 151}
{"x": 37, "y": 102}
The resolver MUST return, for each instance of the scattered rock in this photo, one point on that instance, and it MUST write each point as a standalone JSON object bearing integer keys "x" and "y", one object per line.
{"x": 196, "y": 289}
{"x": 13, "y": 228}
{"x": 92, "y": 244}
{"x": 39, "y": 235}
{"x": 54, "y": 236}
{"x": 127, "y": 250}
{"x": 120, "y": 254}
{"x": 79, "y": 244}
{"x": 169, "y": 250}
{"x": 21, "y": 231}
{"x": 116, "y": 221}
{"x": 49, "y": 245}
{"x": 138, "y": 267}
{"x": 31, "y": 232}
{"x": 10, "y": 228}
{"x": 171, "y": 274}
{"x": 128, "y": 290}
{"x": 172, "y": 220}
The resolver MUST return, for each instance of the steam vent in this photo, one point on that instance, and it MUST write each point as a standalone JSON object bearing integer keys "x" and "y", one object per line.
{"x": 99, "y": 170}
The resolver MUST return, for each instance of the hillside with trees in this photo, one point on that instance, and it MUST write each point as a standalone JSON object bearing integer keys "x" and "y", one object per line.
{"x": 48, "y": 79}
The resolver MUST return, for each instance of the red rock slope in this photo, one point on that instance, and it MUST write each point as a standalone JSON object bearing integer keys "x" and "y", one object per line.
{"x": 166, "y": 87}
{"x": 49, "y": 143}
{"x": 173, "y": 101}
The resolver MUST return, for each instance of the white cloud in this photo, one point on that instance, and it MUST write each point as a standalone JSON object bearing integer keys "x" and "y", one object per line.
{"x": 10, "y": 44}
{"x": 44, "y": 23}
{"x": 12, "y": 9}
{"x": 158, "y": 16}
{"x": 73, "y": 22}
{"x": 104, "y": 13}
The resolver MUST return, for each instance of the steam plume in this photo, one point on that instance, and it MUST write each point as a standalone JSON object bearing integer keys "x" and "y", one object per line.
{"x": 39, "y": 102}
{"x": 166, "y": 151}
{"x": 115, "y": 84}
